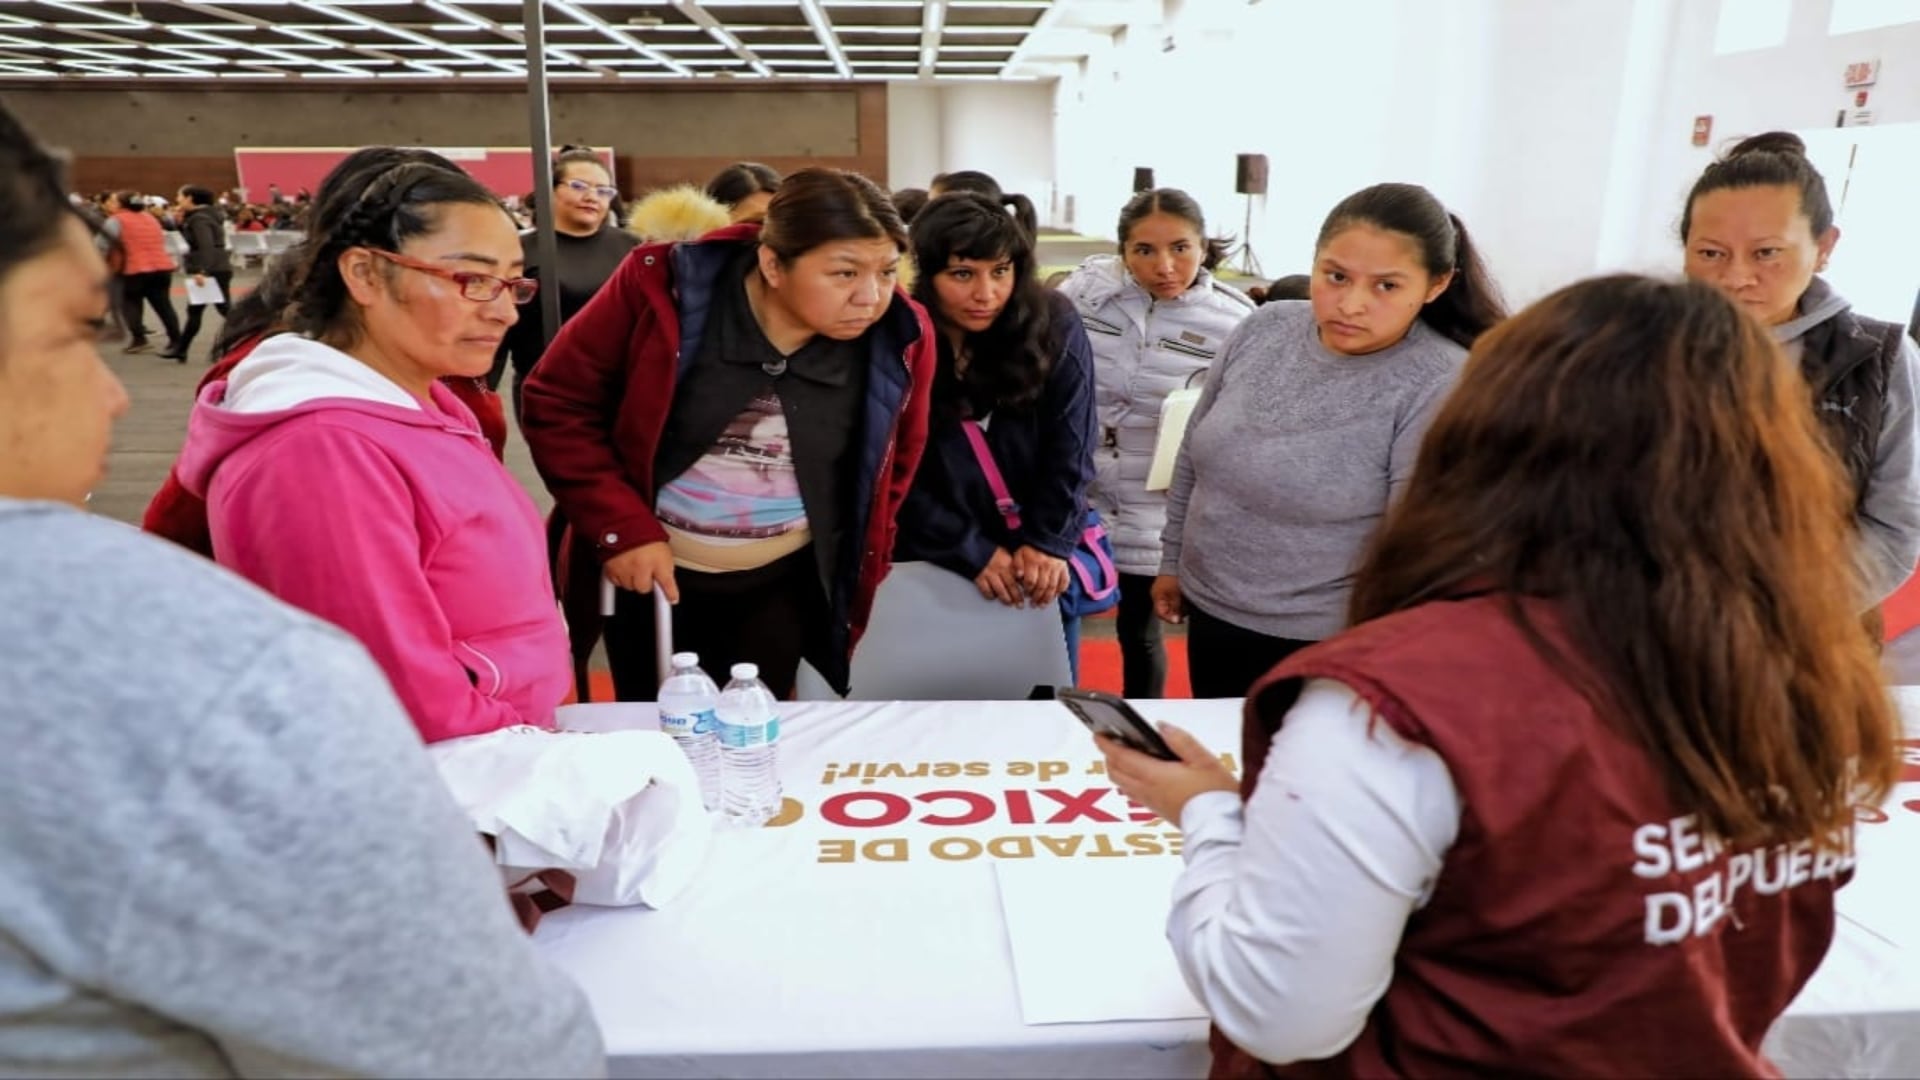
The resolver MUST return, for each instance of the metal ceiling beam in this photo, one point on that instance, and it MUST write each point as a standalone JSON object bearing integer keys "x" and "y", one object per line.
{"x": 587, "y": 18}
{"x": 933, "y": 20}
{"x": 823, "y": 29}
{"x": 242, "y": 19}
{"x": 700, "y": 17}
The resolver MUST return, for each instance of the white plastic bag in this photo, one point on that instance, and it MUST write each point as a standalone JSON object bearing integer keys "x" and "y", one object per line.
{"x": 619, "y": 810}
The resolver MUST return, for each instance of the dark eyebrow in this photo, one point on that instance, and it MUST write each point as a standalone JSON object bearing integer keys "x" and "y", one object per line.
{"x": 468, "y": 256}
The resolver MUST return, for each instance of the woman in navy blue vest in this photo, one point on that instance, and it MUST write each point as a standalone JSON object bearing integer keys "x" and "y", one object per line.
{"x": 1014, "y": 359}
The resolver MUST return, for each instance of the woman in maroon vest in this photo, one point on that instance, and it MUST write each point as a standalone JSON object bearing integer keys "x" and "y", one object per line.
{"x": 1574, "y": 793}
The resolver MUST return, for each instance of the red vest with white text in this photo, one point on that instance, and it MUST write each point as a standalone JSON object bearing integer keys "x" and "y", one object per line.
{"x": 1581, "y": 924}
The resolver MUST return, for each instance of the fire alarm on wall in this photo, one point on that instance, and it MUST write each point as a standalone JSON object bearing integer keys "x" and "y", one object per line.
{"x": 1702, "y": 130}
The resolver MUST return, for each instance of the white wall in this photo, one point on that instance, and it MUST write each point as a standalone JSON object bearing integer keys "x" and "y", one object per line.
{"x": 1557, "y": 129}
{"x": 1796, "y": 85}
{"x": 1004, "y": 130}
{"x": 913, "y": 134}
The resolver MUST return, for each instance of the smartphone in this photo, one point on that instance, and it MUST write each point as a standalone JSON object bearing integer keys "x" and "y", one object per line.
{"x": 1107, "y": 714}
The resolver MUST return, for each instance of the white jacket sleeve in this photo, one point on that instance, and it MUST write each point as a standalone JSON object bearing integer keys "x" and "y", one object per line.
{"x": 1287, "y": 919}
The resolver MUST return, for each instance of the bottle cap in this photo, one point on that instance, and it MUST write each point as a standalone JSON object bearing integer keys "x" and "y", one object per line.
{"x": 746, "y": 671}
{"x": 686, "y": 660}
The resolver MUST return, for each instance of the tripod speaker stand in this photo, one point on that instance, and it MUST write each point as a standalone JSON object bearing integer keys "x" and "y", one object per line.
{"x": 1250, "y": 180}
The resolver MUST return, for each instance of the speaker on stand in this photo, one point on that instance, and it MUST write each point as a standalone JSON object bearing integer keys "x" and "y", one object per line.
{"x": 1250, "y": 180}
{"x": 1142, "y": 178}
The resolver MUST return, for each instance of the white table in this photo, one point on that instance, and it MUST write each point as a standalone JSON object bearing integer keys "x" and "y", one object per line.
{"x": 896, "y": 963}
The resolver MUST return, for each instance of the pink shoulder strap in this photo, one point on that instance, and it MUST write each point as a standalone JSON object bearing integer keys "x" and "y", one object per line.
{"x": 1002, "y": 499}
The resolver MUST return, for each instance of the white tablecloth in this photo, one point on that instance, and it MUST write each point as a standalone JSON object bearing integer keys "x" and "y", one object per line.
{"x": 834, "y": 948}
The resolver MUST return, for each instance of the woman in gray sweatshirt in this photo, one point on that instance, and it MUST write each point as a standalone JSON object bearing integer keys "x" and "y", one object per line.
{"x": 1309, "y": 427}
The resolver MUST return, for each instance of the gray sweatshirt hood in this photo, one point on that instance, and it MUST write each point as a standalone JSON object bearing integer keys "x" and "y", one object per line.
{"x": 1818, "y": 304}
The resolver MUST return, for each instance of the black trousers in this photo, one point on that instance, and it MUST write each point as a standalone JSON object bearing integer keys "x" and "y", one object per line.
{"x": 195, "y": 311}
{"x": 762, "y": 616}
{"x": 1226, "y": 660}
{"x": 1143, "y": 654}
{"x": 150, "y": 289}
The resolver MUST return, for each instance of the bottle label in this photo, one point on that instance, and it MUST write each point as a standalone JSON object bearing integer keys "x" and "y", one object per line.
{"x": 745, "y": 736}
{"x": 682, "y": 724}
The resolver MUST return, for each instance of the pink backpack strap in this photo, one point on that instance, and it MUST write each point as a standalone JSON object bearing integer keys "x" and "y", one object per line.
{"x": 1002, "y": 499}
{"x": 1109, "y": 577}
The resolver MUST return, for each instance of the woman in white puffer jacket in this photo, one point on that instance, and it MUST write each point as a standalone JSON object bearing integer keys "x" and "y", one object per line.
{"x": 1157, "y": 318}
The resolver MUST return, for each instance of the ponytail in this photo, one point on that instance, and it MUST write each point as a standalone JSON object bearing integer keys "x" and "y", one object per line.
{"x": 1471, "y": 304}
{"x": 980, "y": 183}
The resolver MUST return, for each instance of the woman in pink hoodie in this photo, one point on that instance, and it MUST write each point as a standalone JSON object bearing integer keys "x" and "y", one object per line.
{"x": 342, "y": 477}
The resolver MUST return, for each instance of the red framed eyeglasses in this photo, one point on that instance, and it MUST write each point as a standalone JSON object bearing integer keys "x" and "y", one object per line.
{"x": 480, "y": 288}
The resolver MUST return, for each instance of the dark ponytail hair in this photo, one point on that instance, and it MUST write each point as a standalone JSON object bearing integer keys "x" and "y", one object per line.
{"x": 1471, "y": 304}
{"x": 818, "y": 206}
{"x": 359, "y": 207}
{"x": 33, "y": 196}
{"x": 1011, "y": 358}
{"x": 741, "y": 179}
{"x": 1774, "y": 158}
{"x": 1179, "y": 204}
{"x": 980, "y": 183}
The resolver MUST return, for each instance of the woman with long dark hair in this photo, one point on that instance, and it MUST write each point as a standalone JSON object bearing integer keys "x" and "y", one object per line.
{"x": 1575, "y": 792}
{"x": 1016, "y": 367}
{"x": 1307, "y": 430}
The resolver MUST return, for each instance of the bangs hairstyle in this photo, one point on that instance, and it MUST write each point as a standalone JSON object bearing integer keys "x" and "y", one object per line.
{"x": 1716, "y": 634}
{"x": 365, "y": 208}
{"x": 1011, "y": 358}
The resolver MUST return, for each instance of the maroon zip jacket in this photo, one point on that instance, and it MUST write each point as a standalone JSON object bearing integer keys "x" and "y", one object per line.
{"x": 595, "y": 406}
{"x": 1582, "y": 924}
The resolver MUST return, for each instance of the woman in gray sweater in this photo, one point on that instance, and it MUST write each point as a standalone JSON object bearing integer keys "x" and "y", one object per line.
{"x": 1308, "y": 429}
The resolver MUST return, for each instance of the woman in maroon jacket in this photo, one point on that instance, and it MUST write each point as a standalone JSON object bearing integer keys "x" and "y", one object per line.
{"x": 737, "y": 421}
{"x": 1575, "y": 792}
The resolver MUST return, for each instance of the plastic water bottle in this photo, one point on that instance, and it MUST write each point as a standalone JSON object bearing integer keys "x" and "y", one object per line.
{"x": 687, "y": 702}
{"x": 749, "y": 749}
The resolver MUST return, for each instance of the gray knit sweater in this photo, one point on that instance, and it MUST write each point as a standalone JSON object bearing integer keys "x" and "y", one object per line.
{"x": 1290, "y": 461}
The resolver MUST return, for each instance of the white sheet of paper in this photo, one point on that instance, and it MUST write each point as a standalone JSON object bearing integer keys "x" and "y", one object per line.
{"x": 1175, "y": 412}
{"x": 1089, "y": 940}
{"x": 199, "y": 294}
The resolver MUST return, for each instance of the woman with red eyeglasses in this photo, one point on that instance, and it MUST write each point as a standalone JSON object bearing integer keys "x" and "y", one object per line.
{"x": 342, "y": 476}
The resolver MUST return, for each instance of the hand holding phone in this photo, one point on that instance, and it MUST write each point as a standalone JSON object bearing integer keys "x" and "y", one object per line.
{"x": 1107, "y": 714}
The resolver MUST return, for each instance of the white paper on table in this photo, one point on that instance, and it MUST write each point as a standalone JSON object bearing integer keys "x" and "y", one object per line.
{"x": 201, "y": 292}
{"x": 1175, "y": 413}
{"x": 1089, "y": 940}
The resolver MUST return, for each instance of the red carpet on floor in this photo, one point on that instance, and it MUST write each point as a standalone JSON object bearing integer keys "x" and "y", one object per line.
{"x": 1099, "y": 669}
{"x": 1902, "y": 609}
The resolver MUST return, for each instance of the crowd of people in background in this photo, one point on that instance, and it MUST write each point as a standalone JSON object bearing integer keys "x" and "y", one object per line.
{"x": 1439, "y": 548}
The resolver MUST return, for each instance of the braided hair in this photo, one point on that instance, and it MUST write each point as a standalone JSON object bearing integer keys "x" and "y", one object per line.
{"x": 386, "y": 197}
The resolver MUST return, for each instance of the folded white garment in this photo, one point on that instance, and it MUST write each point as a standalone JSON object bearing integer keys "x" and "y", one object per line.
{"x": 618, "y": 810}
